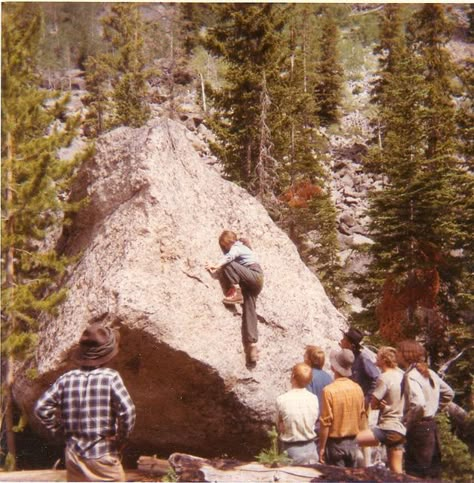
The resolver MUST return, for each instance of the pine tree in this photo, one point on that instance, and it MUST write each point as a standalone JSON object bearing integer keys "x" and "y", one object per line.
{"x": 124, "y": 29}
{"x": 247, "y": 38}
{"x": 309, "y": 215}
{"x": 328, "y": 89}
{"x": 98, "y": 97}
{"x": 35, "y": 185}
{"x": 465, "y": 115}
{"x": 419, "y": 219}
{"x": 450, "y": 200}
{"x": 394, "y": 227}
{"x": 390, "y": 48}
{"x": 193, "y": 18}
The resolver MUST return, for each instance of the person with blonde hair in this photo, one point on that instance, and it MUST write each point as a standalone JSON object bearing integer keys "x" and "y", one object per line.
{"x": 315, "y": 357}
{"x": 241, "y": 277}
{"x": 297, "y": 413}
{"x": 425, "y": 393}
{"x": 387, "y": 397}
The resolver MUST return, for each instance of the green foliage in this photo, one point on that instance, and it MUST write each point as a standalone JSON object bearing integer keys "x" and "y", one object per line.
{"x": 20, "y": 345}
{"x": 417, "y": 225}
{"x": 457, "y": 462}
{"x": 21, "y": 425}
{"x": 328, "y": 87}
{"x": 35, "y": 189}
{"x": 248, "y": 39}
{"x": 460, "y": 373}
{"x": 170, "y": 476}
{"x": 124, "y": 28}
{"x": 69, "y": 35}
{"x": 117, "y": 80}
{"x": 9, "y": 464}
{"x": 35, "y": 182}
{"x": 97, "y": 100}
{"x": 272, "y": 456}
{"x": 465, "y": 114}
{"x": 32, "y": 373}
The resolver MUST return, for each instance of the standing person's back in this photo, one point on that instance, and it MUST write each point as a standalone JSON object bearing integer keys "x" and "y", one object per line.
{"x": 364, "y": 370}
{"x": 387, "y": 397}
{"x": 91, "y": 407}
{"x": 342, "y": 413}
{"x": 314, "y": 356}
{"x": 297, "y": 413}
{"x": 425, "y": 393}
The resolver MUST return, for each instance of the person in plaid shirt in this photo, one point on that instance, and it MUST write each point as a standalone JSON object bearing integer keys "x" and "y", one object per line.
{"x": 92, "y": 408}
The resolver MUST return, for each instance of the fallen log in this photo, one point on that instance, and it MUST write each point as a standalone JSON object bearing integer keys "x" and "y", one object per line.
{"x": 191, "y": 468}
{"x": 151, "y": 465}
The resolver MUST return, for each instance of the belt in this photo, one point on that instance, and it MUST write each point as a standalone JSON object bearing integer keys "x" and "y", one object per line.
{"x": 298, "y": 443}
{"x": 343, "y": 438}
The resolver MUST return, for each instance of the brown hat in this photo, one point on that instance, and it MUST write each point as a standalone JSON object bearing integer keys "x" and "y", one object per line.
{"x": 97, "y": 345}
{"x": 342, "y": 361}
{"x": 354, "y": 335}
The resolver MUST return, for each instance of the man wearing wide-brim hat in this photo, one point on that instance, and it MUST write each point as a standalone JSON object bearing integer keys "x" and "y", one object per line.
{"x": 342, "y": 413}
{"x": 364, "y": 370}
{"x": 92, "y": 408}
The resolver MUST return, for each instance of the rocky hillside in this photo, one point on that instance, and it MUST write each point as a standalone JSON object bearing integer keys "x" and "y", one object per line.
{"x": 157, "y": 206}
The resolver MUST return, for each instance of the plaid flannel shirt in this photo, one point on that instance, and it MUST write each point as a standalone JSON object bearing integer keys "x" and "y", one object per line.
{"x": 93, "y": 409}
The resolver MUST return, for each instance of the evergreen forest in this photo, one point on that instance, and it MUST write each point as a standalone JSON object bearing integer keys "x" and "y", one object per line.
{"x": 274, "y": 83}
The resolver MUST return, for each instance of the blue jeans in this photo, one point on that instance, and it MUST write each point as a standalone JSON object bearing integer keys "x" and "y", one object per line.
{"x": 302, "y": 453}
{"x": 341, "y": 452}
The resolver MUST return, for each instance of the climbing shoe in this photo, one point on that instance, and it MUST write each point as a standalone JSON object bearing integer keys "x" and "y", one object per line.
{"x": 233, "y": 296}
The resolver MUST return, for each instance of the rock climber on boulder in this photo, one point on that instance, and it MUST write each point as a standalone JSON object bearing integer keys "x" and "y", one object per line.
{"x": 241, "y": 278}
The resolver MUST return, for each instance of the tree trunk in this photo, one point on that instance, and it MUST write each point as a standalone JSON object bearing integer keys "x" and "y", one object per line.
{"x": 7, "y": 403}
{"x": 203, "y": 93}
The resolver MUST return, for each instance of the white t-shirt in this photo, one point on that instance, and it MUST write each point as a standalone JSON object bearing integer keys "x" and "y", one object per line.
{"x": 298, "y": 409}
{"x": 425, "y": 395}
{"x": 388, "y": 388}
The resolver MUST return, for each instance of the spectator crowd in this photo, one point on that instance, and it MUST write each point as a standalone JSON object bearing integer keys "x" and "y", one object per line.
{"x": 391, "y": 401}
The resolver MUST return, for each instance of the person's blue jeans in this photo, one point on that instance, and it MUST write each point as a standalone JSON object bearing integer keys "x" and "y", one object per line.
{"x": 301, "y": 453}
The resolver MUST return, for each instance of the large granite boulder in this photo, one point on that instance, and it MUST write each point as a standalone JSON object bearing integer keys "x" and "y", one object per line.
{"x": 156, "y": 208}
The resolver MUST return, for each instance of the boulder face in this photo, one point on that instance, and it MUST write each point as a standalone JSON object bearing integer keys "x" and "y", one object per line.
{"x": 155, "y": 211}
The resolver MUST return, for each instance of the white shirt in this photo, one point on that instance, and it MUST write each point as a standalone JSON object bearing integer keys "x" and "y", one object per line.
{"x": 298, "y": 411}
{"x": 424, "y": 395}
{"x": 240, "y": 253}
{"x": 388, "y": 388}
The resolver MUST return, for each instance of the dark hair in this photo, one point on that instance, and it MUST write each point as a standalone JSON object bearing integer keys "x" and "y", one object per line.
{"x": 414, "y": 353}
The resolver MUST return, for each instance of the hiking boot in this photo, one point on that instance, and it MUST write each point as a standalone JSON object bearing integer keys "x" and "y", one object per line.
{"x": 252, "y": 353}
{"x": 233, "y": 296}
